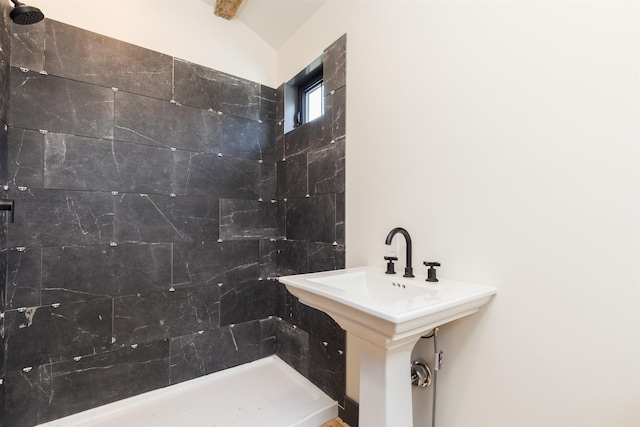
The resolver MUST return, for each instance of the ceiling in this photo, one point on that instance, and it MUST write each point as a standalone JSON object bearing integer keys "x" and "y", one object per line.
{"x": 274, "y": 20}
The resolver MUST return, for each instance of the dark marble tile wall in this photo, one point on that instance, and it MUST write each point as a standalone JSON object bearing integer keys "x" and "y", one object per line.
{"x": 145, "y": 221}
{"x": 310, "y": 224}
{"x": 5, "y": 60}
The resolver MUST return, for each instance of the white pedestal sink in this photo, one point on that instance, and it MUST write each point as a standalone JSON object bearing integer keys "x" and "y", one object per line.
{"x": 386, "y": 315}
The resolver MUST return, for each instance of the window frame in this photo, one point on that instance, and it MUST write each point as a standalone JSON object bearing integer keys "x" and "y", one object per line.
{"x": 311, "y": 83}
{"x": 295, "y": 91}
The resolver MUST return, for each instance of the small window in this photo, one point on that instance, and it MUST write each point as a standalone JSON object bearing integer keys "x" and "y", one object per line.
{"x": 304, "y": 96}
{"x": 312, "y": 101}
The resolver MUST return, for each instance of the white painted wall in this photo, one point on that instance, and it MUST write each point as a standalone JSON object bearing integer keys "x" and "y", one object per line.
{"x": 505, "y": 137}
{"x": 186, "y": 29}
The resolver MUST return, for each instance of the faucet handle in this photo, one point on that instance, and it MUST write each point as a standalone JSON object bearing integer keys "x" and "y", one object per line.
{"x": 431, "y": 272}
{"x": 390, "y": 268}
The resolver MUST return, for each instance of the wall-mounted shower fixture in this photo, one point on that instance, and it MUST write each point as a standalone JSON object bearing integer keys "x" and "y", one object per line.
{"x": 25, "y": 15}
{"x": 8, "y": 205}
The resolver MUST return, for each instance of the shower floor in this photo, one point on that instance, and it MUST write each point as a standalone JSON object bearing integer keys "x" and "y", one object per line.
{"x": 266, "y": 393}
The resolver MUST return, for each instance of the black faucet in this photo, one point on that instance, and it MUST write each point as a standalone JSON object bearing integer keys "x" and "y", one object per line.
{"x": 408, "y": 271}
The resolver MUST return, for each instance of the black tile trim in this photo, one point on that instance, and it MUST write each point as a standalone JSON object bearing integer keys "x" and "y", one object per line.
{"x": 350, "y": 412}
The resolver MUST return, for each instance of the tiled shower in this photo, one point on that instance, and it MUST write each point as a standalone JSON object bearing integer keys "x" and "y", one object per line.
{"x": 156, "y": 201}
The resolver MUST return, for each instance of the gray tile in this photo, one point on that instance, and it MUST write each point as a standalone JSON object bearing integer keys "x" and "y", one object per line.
{"x": 4, "y": 154}
{"x": 205, "y": 88}
{"x": 60, "y": 105}
{"x": 284, "y": 305}
{"x": 79, "y": 163}
{"x": 5, "y": 60}
{"x": 323, "y": 257}
{"x": 27, "y": 45}
{"x": 212, "y": 263}
{"x": 268, "y": 103}
{"x": 280, "y": 107}
{"x": 268, "y": 336}
{"x": 48, "y": 334}
{"x": 268, "y": 181}
{"x": 335, "y": 109}
{"x": 293, "y": 308}
{"x": 281, "y": 219}
{"x": 291, "y": 257}
{"x": 83, "y": 273}
{"x": 312, "y": 218}
{"x": 247, "y": 219}
{"x": 326, "y": 168}
{"x": 198, "y": 174}
{"x": 152, "y": 121}
{"x": 280, "y": 142}
{"x": 340, "y": 218}
{"x": 320, "y": 326}
{"x": 268, "y": 258}
{"x": 327, "y": 367}
{"x": 156, "y": 219}
{"x": 2, "y": 369}
{"x": 53, "y": 218}
{"x": 69, "y": 387}
{"x": 21, "y": 398}
{"x": 302, "y": 138}
{"x": 293, "y": 347}
{"x": 24, "y": 280}
{"x": 93, "y": 58}
{"x": 152, "y": 316}
{"x": 292, "y": 176}
{"x": 2, "y": 409}
{"x": 26, "y": 148}
{"x": 4, "y": 288}
{"x": 4, "y": 265}
{"x": 247, "y": 139}
{"x": 334, "y": 65}
{"x": 212, "y": 351}
{"x": 243, "y": 302}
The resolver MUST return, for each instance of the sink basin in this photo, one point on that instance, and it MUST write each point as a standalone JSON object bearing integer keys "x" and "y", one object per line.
{"x": 384, "y": 316}
{"x": 384, "y": 308}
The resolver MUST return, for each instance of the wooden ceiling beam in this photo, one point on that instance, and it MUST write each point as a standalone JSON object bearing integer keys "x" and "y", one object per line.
{"x": 227, "y": 8}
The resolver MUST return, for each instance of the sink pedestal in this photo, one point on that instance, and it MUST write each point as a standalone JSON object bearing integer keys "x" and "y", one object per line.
{"x": 385, "y": 383}
{"x": 385, "y": 316}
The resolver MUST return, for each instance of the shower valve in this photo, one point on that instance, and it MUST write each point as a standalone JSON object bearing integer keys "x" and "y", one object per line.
{"x": 8, "y": 205}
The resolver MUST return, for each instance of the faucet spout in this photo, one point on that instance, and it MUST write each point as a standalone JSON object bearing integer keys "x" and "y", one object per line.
{"x": 408, "y": 271}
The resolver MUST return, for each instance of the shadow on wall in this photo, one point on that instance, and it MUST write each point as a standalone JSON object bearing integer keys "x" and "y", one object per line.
{"x": 140, "y": 236}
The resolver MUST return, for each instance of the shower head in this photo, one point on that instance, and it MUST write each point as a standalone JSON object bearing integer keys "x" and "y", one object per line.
{"x": 25, "y": 15}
